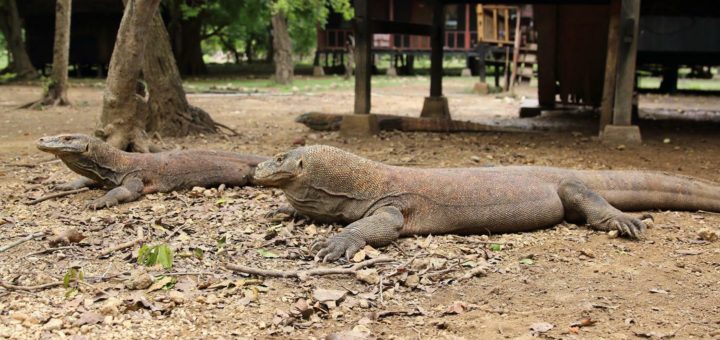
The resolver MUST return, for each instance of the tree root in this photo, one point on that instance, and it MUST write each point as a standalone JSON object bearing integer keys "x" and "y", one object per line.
{"x": 138, "y": 240}
{"x": 56, "y": 195}
{"x": 303, "y": 274}
{"x": 232, "y": 131}
{"x": 20, "y": 241}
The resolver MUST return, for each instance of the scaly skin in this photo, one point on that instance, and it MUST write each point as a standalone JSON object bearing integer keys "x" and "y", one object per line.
{"x": 382, "y": 202}
{"x": 131, "y": 175}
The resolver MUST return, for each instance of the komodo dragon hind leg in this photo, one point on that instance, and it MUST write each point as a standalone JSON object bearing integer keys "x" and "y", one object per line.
{"x": 581, "y": 202}
{"x": 82, "y": 182}
{"x": 129, "y": 191}
{"x": 379, "y": 229}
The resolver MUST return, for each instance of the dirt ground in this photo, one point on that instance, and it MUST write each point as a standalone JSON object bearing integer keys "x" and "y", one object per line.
{"x": 563, "y": 282}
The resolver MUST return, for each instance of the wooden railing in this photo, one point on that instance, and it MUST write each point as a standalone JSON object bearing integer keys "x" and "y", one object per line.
{"x": 455, "y": 40}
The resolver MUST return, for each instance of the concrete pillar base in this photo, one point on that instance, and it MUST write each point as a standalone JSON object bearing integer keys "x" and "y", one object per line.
{"x": 391, "y": 71}
{"x": 359, "y": 125}
{"x": 435, "y": 107}
{"x": 530, "y": 108}
{"x": 318, "y": 71}
{"x": 466, "y": 72}
{"x": 621, "y": 134}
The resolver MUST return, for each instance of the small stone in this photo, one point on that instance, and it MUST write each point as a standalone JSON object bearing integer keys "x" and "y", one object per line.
{"x": 111, "y": 306}
{"x": 53, "y": 324}
{"x": 667, "y": 141}
{"x": 299, "y": 141}
{"x": 612, "y": 234}
{"x": 475, "y": 159}
{"x": 620, "y": 147}
{"x": 707, "y": 234}
{"x": 369, "y": 276}
{"x": 139, "y": 279}
{"x": 177, "y": 297}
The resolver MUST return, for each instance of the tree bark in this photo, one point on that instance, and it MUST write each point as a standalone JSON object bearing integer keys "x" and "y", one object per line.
{"x": 124, "y": 113}
{"x": 282, "y": 50}
{"x": 57, "y": 89}
{"x": 191, "y": 55}
{"x": 169, "y": 111}
{"x": 11, "y": 27}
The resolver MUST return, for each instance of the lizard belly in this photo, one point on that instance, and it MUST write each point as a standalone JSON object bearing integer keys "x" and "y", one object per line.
{"x": 485, "y": 211}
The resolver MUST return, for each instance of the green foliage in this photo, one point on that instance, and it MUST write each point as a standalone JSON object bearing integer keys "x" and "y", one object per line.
{"x": 71, "y": 279}
{"x": 160, "y": 254}
{"x": 4, "y": 57}
{"x": 241, "y": 26}
{"x": 496, "y": 247}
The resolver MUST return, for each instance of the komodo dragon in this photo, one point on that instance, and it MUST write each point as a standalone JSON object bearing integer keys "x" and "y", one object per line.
{"x": 133, "y": 174}
{"x": 382, "y": 202}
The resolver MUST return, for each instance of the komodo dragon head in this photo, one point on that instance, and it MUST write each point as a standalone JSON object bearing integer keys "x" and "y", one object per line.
{"x": 281, "y": 169}
{"x": 66, "y": 144}
{"x": 86, "y": 155}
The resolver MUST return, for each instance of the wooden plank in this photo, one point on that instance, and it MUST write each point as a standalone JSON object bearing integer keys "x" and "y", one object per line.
{"x": 516, "y": 49}
{"x": 546, "y": 20}
{"x": 628, "y": 20}
{"x": 385, "y": 26}
{"x": 437, "y": 44}
{"x": 608, "y": 98}
{"x": 495, "y": 24}
{"x": 506, "y": 28}
{"x": 363, "y": 45}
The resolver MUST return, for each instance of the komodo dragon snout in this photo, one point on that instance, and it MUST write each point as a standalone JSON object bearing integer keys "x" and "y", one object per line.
{"x": 279, "y": 170}
{"x": 64, "y": 144}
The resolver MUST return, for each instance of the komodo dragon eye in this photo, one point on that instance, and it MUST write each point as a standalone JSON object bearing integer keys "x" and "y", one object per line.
{"x": 280, "y": 158}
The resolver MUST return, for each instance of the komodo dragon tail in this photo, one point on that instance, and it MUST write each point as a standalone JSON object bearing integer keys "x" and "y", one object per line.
{"x": 644, "y": 190}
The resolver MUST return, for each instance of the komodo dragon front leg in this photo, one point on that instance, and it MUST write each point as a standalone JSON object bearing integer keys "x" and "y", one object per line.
{"x": 379, "y": 229}
{"x": 581, "y": 203}
{"x": 130, "y": 190}
{"x": 82, "y": 182}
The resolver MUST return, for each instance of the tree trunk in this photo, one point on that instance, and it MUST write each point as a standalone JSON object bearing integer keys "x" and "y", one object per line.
{"x": 124, "y": 114}
{"x": 57, "y": 89}
{"x": 282, "y": 48}
{"x": 169, "y": 111}
{"x": 11, "y": 27}
{"x": 191, "y": 55}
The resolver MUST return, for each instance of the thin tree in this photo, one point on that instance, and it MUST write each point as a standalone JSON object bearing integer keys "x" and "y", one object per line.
{"x": 282, "y": 49}
{"x": 56, "y": 92}
{"x": 11, "y": 28}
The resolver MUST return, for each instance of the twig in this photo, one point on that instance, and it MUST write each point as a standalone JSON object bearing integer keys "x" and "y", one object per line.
{"x": 49, "y": 250}
{"x": 22, "y": 165}
{"x": 20, "y": 241}
{"x": 301, "y": 274}
{"x": 55, "y": 195}
{"x": 139, "y": 239}
{"x": 234, "y": 133}
{"x": 30, "y": 288}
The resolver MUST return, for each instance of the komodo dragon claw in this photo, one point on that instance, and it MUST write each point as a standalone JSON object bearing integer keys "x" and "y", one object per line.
{"x": 344, "y": 243}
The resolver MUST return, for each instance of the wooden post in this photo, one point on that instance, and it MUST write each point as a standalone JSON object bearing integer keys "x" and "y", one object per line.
{"x": 621, "y": 131}
{"x": 547, "y": 42}
{"x": 436, "y": 106}
{"x": 629, "y": 19}
{"x": 437, "y": 43}
{"x": 516, "y": 49}
{"x": 608, "y": 98}
{"x": 495, "y": 24}
{"x": 467, "y": 27}
{"x": 363, "y": 41}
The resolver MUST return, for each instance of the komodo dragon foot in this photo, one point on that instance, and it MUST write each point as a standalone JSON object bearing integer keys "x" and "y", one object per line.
{"x": 581, "y": 203}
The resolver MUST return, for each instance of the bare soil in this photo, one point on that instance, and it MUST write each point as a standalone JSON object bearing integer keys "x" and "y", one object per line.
{"x": 562, "y": 282}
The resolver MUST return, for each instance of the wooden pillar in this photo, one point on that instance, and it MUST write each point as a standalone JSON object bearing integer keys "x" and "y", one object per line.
{"x": 629, "y": 19}
{"x": 608, "y": 98}
{"x": 467, "y": 27}
{"x": 622, "y": 130}
{"x": 436, "y": 44}
{"x": 436, "y": 106}
{"x": 363, "y": 41}
{"x": 546, "y": 17}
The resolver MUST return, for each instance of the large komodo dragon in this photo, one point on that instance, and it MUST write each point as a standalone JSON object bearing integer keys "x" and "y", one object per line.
{"x": 382, "y": 202}
{"x": 134, "y": 174}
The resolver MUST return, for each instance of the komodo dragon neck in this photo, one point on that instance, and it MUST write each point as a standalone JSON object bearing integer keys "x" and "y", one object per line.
{"x": 349, "y": 189}
{"x": 102, "y": 163}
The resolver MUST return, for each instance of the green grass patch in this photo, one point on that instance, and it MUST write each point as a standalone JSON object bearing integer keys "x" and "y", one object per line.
{"x": 683, "y": 84}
